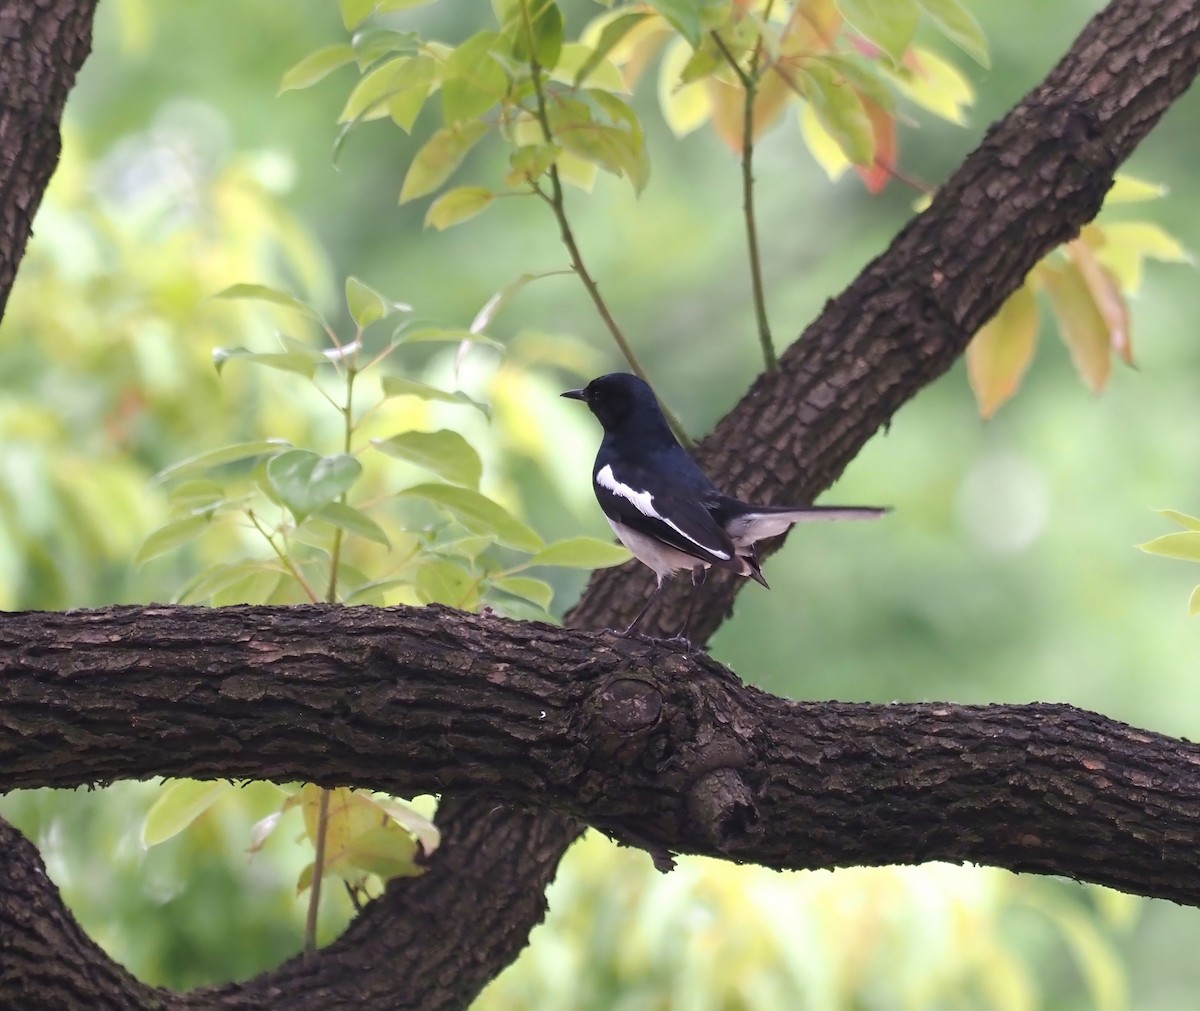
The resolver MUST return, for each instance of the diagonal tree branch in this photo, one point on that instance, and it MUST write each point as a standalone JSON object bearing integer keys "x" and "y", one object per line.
{"x": 43, "y": 43}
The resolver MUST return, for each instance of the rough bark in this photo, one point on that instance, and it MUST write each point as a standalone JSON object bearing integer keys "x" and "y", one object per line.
{"x": 43, "y": 43}
{"x": 659, "y": 749}
{"x": 1039, "y": 175}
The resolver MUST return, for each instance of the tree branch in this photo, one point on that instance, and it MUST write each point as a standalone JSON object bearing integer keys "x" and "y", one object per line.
{"x": 43, "y": 43}
{"x": 659, "y": 749}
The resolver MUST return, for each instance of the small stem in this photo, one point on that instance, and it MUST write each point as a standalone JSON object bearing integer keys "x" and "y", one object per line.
{"x": 348, "y": 418}
{"x": 291, "y": 567}
{"x": 749, "y": 82}
{"x": 557, "y": 204}
{"x": 314, "y": 891}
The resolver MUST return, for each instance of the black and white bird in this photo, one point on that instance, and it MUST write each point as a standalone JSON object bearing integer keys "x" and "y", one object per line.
{"x": 664, "y": 508}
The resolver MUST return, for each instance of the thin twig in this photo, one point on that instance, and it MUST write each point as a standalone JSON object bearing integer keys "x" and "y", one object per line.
{"x": 749, "y": 82}
{"x": 314, "y": 890}
{"x": 557, "y": 203}
{"x": 291, "y": 567}
{"x": 348, "y": 416}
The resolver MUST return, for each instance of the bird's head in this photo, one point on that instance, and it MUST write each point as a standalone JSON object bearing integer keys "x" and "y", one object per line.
{"x": 622, "y": 402}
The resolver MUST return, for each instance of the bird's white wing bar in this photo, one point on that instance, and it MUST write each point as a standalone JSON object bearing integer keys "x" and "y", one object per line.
{"x": 643, "y": 502}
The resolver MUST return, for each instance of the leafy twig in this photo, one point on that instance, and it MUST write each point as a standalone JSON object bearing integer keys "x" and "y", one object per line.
{"x": 749, "y": 82}
{"x": 290, "y": 566}
{"x": 557, "y": 203}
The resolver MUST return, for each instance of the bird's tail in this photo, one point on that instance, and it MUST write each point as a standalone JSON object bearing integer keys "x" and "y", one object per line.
{"x": 746, "y": 523}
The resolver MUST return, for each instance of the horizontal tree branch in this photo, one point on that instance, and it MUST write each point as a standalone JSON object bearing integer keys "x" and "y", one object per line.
{"x": 658, "y": 749}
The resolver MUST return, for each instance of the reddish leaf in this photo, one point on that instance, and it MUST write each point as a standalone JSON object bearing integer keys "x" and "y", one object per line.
{"x": 1108, "y": 298}
{"x": 884, "y": 124}
{"x": 1001, "y": 351}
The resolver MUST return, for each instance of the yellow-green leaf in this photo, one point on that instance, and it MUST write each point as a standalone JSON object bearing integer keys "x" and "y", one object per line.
{"x": 479, "y": 514}
{"x": 890, "y": 24}
{"x": 397, "y": 88}
{"x": 1001, "y": 351}
{"x": 1194, "y": 603}
{"x": 316, "y": 67}
{"x": 1127, "y": 189}
{"x": 536, "y": 591}
{"x": 581, "y": 553}
{"x": 1080, "y": 323}
{"x": 596, "y": 56}
{"x": 213, "y": 458}
{"x": 447, "y": 454}
{"x": 1183, "y": 519}
{"x": 179, "y": 803}
{"x": 821, "y": 144}
{"x": 353, "y": 521}
{"x": 936, "y": 84}
{"x": 366, "y": 305}
{"x": 959, "y": 25}
{"x": 1127, "y": 243}
{"x": 265, "y": 293}
{"x": 1184, "y": 545}
{"x": 458, "y": 205}
{"x": 472, "y": 79}
{"x": 442, "y": 581}
{"x": 171, "y": 536}
{"x": 399, "y": 386}
{"x": 840, "y": 109}
{"x": 439, "y": 157}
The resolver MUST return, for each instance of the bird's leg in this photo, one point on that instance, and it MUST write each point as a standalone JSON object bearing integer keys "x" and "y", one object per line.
{"x": 699, "y": 574}
{"x": 646, "y": 607}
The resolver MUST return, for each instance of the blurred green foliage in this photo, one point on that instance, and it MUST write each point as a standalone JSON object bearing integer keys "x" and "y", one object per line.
{"x": 1005, "y": 574}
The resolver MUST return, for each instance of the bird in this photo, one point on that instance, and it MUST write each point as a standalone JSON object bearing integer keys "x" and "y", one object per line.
{"x": 665, "y": 509}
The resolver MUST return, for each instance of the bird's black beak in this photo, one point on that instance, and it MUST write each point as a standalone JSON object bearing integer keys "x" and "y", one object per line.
{"x": 575, "y": 394}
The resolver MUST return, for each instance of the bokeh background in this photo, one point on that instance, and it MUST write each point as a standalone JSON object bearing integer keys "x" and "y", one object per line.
{"x": 1007, "y": 572}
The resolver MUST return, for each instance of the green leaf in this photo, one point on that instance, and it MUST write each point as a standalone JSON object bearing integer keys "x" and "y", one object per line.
{"x": 255, "y": 586}
{"x": 264, "y": 293}
{"x": 692, "y": 18}
{"x": 353, "y": 521}
{"x": 388, "y": 6}
{"x": 447, "y": 454}
{"x": 610, "y": 37}
{"x": 544, "y": 30}
{"x": 437, "y": 334}
{"x": 1185, "y": 545}
{"x": 197, "y": 496}
{"x": 1183, "y": 519}
{"x": 1194, "y": 603}
{"x": 529, "y": 163}
{"x": 386, "y": 850}
{"x": 366, "y": 305}
{"x": 839, "y": 109}
{"x": 179, "y": 803}
{"x": 225, "y": 576}
{"x": 616, "y": 149}
{"x": 213, "y": 458}
{"x": 398, "y": 386}
{"x": 355, "y": 12}
{"x": 169, "y": 537}
{"x": 959, "y": 25}
{"x": 439, "y": 157}
{"x": 581, "y": 553}
{"x": 283, "y": 361}
{"x": 536, "y": 591}
{"x": 412, "y": 821}
{"x": 373, "y": 44}
{"x": 479, "y": 514}
{"x": 472, "y": 79}
{"x": 397, "y": 88}
{"x": 458, "y": 205}
{"x": 441, "y": 581}
{"x": 890, "y": 24}
{"x": 306, "y": 482}
{"x": 316, "y": 67}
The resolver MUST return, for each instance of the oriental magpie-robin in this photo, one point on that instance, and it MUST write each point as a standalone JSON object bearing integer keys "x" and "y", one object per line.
{"x": 664, "y": 508}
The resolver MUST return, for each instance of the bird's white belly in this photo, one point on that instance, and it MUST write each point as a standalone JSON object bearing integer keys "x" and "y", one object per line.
{"x": 660, "y": 557}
